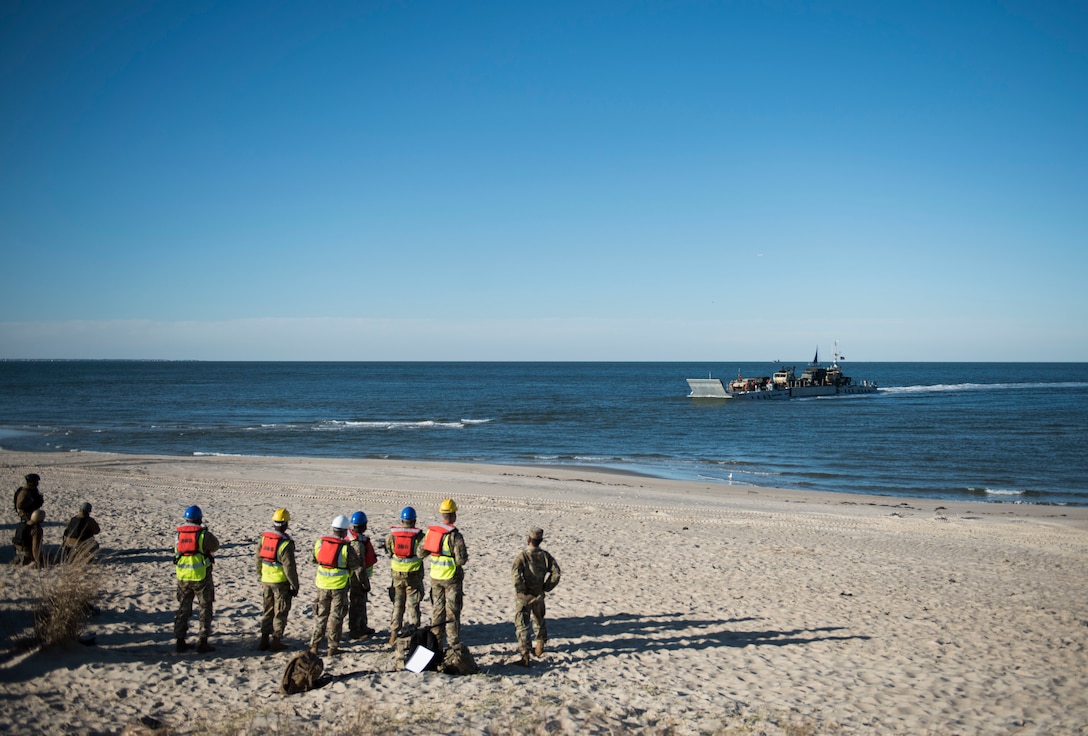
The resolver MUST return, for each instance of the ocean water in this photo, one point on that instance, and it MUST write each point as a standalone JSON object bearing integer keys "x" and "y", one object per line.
{"x": 1003, "y": 432}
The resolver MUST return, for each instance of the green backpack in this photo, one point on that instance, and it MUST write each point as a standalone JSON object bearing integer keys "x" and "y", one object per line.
{"x": 303, "y": 673}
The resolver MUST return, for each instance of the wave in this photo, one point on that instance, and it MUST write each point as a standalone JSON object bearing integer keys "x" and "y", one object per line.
{"x": 391, "y": 424}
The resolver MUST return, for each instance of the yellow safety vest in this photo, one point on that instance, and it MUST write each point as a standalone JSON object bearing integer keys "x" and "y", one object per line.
{"x": 190, "y": 562}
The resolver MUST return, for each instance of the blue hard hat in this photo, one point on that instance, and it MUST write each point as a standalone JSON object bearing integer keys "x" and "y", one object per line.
{"x": 193, "y": 513}
{"x": 358, "y": 519}
{"x": 408, "y": 514}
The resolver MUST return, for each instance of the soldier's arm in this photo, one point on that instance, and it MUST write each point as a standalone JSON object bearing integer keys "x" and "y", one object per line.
{"x": 211, "y": 543}
{"x": 460, "y": 550}
{"x": 257, "y": 557}
{"x": 554, "y": 565}
{"x": 287, "y": 559}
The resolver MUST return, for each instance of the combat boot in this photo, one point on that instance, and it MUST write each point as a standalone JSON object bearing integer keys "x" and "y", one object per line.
{"x": 539, "y": 649}
{"x": 392, "y": 638}
{"x": 181, "y": 645}
{"x": 523, "y": 660}
{"x": 203, "y": 646}
{"x": 263, "y": 646}
{"x": 333, "y": 651}
{"x": 278, "y": 645}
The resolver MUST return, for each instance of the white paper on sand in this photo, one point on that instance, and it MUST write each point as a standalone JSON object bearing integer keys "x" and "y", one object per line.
{"x": 419, "y": 660}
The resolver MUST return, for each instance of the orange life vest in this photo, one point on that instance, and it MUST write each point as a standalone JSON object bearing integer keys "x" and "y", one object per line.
{"x": 189, "y": 539}
{"x": 328, "y": 554}
{"x": 432, "y": 543}
{"x": 404, "y": 541}
{"x": 270, "y": 545}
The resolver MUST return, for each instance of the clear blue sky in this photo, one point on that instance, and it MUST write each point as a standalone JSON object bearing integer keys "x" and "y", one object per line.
{"x": 544, "y": 181}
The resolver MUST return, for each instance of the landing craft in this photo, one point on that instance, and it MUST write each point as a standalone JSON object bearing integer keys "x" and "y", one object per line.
{"x": 815, "y": 380}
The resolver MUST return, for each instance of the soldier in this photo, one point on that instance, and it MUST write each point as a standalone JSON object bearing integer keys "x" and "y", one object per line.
{"x": 535, "y": 573}
{"x": 279, "y": 580}
{"x": 28, "y": 540}
{"x": 405, "y": 547}
{"x": 193, "y": 549}
{"x": 335, "y": 562}
{"x": 446, "y": 546}
{"x": 359, "y": 585}
{"x": 79, "y": 535}
{"x": 28, "y": 498}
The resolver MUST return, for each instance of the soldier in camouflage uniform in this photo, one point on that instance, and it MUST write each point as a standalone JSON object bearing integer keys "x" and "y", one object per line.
{"x": 359, "y": 584}
{"x": 336, "y": 561}
{"x": 278, "y": 573}
{"x": 535, "y": 573}
{"x": 449, "y": 555}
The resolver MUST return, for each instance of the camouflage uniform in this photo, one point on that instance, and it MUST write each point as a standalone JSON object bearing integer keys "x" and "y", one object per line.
{"x": 535, "y": 572}
{"x": 330, "y": 607}
{"x": 28, "y": 498}
{"x": 79, "y": 536}
{"x": 407, "y": 587}
{"x": 31, "y": 554}
{"x": 202, "y": 591}
{"x": 276, "y": 597}
{"x": 447, "y": 593}
{"x": 359, "y": 586}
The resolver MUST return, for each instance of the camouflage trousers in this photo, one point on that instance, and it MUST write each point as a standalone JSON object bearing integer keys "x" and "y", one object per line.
{"x": 358, "y": 589}
{"x": 203, "y": 592}
{"x": 526, "y": 605}
{"x": 446, "y": 598}
{"x": 407, "y": 590}
{"x": 329, "y": 608}
{"x": 275, "y": 607}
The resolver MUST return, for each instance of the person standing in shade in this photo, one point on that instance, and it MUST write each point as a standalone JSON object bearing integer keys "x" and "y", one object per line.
{"x": 79, "y": 535}
{"x": 279, "y": 580}
{"x": 535, "y": 573}
{"x": 404, "y": 544}
{"x": 28, "y": 498}
{"x": 446, "y": 546}
{"x": 28, "y": 541}
{"x": 359, "y": 585}
{"x": 335, "y": 562}
{"x": 194, "y": 546}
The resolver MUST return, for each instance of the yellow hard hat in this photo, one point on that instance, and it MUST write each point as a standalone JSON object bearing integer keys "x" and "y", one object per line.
{"x": 281, "y": 516}
{"x": 448, "y": 507}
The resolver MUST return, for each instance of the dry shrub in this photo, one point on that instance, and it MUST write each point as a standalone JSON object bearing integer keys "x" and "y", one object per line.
{"x": 67, "y": 599}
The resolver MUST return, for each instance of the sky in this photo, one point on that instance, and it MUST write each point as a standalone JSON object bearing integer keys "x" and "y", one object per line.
{"x": 660, "y": 181}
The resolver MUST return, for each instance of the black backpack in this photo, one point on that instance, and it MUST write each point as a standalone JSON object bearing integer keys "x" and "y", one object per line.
{"x": 425, "y": 638}
{"x": 21, "y": 537}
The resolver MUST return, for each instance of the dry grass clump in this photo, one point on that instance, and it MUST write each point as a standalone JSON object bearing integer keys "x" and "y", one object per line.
{"x": 67, "y": 599}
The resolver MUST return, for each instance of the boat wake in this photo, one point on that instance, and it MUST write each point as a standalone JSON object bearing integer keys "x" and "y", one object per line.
{"x": 964, "y": 387}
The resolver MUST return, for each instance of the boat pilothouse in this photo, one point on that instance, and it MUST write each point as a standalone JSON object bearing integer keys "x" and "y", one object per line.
{"x": 815, "y": 380}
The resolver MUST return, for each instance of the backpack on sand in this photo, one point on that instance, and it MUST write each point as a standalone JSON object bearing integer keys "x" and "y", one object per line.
{"x": 303, "y": 673}
{"x": 459, "y": 661}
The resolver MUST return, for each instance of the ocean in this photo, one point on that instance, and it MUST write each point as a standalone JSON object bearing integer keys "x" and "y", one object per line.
{"x": 1000, "y": 432}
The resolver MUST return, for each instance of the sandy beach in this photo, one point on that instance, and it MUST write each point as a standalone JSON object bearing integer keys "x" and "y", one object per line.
{"x": 684, "y": 608}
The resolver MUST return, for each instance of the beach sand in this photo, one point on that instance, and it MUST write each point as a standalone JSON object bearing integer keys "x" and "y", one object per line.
{"x": 684, "y": 608}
